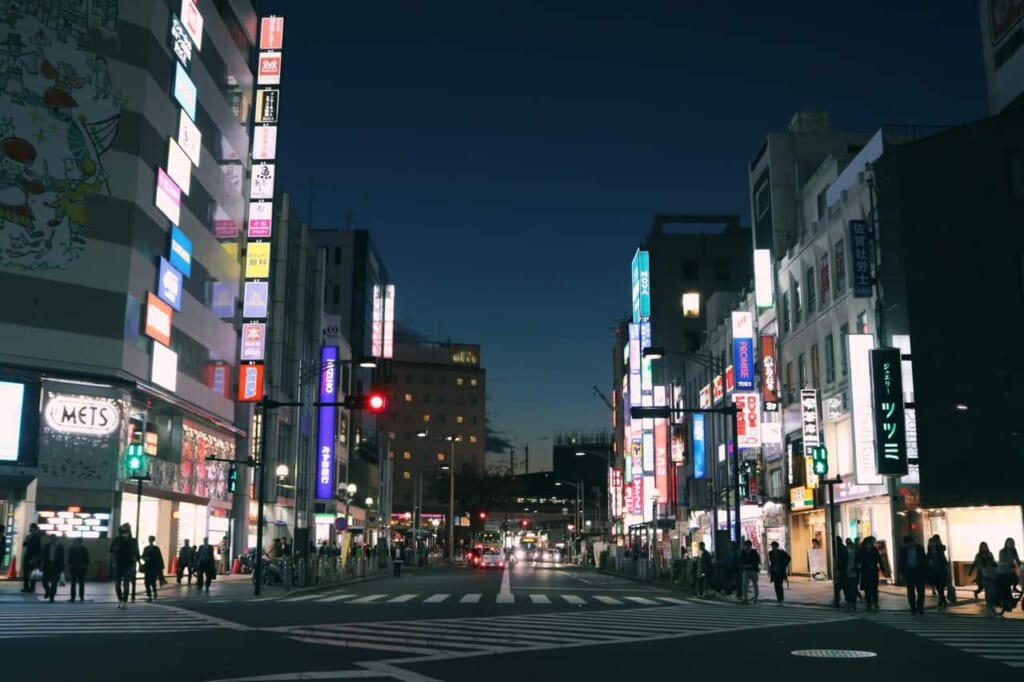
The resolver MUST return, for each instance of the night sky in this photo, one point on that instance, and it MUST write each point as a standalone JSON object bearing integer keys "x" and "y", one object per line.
{"x": 508, "y": 156}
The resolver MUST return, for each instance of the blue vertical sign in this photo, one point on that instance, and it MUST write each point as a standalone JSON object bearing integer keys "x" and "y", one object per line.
{"x": 641, "y": 280}
{"x": 700, "y": 465}
{"x": 743, "y": 349}
{"x": 326, "y": 429}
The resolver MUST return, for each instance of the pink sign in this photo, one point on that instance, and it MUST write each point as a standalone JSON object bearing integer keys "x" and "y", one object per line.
{"x": 168, "y": 196}
{"x": 261, "y": 214}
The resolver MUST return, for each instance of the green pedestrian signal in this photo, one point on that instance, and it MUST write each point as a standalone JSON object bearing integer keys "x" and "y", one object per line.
{"x": 134, "y": 458}
{"x": 819, "y": 460}
{"x": 232, "y": 479}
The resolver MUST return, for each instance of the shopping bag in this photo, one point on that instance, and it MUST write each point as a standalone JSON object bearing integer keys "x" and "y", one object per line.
{"x": 36, "y": 574}
{"x": 951, "y": 594}
{"x": 62, "y": 583}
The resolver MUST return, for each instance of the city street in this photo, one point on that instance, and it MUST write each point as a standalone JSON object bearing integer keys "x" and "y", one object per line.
{"x": 464, "y": 624}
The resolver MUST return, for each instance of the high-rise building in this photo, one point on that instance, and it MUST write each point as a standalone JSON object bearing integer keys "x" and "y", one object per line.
{"x": 125, "y": 145}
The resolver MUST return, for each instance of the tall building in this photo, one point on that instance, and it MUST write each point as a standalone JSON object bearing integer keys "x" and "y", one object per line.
{"x": 440, "y": 390}
{"x": 1002, "y": 35}
{"x": 124, "y": 145}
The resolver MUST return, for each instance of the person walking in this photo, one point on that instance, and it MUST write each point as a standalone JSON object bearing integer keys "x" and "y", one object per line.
{"x": 704, "y": 568}
{"x": 206, "y": 564}
{"x": 1006, "y": 571}
{"x": 839, "y": 560}
{"x": 52, "y": 564}
{"x": 31, "y": 549}
{"x": 78, "y": 565}
{"x": 778, "y": 565}
{"x": 124, "y": 557}
{"x": 750, "y": 565}
{"x": 982, "y": 560}
{"x": 870, "y": 564}
{"x": 186, "y": 557}
{"x": 913, "y": 569}
{"x": 851, "y": 575}
{"x": 938, "y": 568}
{"x": 152, "y": 567}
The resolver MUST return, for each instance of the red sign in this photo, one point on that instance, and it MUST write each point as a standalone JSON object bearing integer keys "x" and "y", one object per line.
{"x": 678, "y": 445}
{"x": 218, "y": 380}
{"x": 730, "y": 379}
{"x": 661, "y": 458}
{"x": 158, "y": 320}
{"x": 769, "y": 372}
{"x": 718, "y": 392}
{"x": 250, "y": 383}
{"x": 269, "y": 69}
{"x": 748, "y": 421}
{"x": 271, "y": 33}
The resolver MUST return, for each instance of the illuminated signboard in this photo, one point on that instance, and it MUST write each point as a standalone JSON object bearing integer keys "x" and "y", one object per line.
{"x": 267, "y": 103}
{"x": 700, "y": 465}
{"x": 189, "y": 137}
{"x": 743, "y": 349}
{"x": 250, "y": 383}
{"x": 271, "y": 33}
{"x": 159, "y": 317}
{"x": 269, "y": 69}
{"x": 181, "y": 251}
{"x": 748, "y": 420}
{"x": 862, "y": 249}
{"x": 179, "y": 166}
{"x": 865, "y": 468}
{"x": 164, "y": 371}
{"x": 261, "y": 217}
{"x": 261, "y": 185}
{"x": 257, "y": 260}
{"x": 809, "y": 417}
{"x": 327, "y": 427}
{"x": 769, "y": 374}
{"x": 887, "y": 403}
{"x": 193, "y": 21}
{"x": 169, "y": 283}
{"x": 12, "y": 401}
{"x": 264, "y": 143}
{"x": 764, "y": 279}
{"x": 180, "y": 41}
{"x": 168, "y": 196}
{"x": 84, "y": 415}
{"x": 185, "y": 91}
{"x": 255, "y": 301}
{"x": 74, "y": 522}
{"x": 641, "y": 281}
{"x": 254, "y": 335}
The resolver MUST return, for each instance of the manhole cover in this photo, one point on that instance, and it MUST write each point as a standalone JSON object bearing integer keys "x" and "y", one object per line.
{"x": 833, "y": 653}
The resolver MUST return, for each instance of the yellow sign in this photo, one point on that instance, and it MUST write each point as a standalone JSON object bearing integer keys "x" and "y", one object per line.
{"x": 801, "y": 498}
{"x": 257, "y": 260}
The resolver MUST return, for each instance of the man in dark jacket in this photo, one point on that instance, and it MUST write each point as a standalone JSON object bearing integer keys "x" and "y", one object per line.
{"x": 52, "y": 564}
{"x": 913, "y": 568}
{"x": 152, "y": 567}
{"x": 186, "y": 557}
{"x": 124, "y": 556}
{"x": 778, "y": 565}
{"x": 750, "y": 565}
{"x": 206, "y": 566}
{"x": 78, "y": 565}
{"x": 32, "y": 547}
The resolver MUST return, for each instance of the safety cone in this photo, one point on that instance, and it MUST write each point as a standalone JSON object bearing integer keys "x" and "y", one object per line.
{"x": 236, "y": 567}
{"x": 12, "y": 573}
{"x": 174, "y": 566}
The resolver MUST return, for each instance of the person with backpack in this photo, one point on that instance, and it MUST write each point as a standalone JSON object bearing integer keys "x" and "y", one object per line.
{"x": 778, "y": 567}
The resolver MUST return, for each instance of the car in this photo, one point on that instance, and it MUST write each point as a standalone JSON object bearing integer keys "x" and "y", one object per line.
{"x": 492, "y": 558}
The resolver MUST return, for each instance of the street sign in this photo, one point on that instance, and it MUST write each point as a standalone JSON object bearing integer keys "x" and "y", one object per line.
{"x": 340, "y": 523}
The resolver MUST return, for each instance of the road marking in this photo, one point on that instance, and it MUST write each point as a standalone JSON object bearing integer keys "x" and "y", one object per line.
{"x": 436, "y": 599}
{"x": 337, "y": 597}
{"x": 540, "y": 599}
{"x": 573, "y": 599}
{"x": 470, "y": 599}
{"x": 506, "y": 598}
{"x": 642, "y": 600}
{"x": 505, "y": 594}
{"x": 672, "y": 600}
{"x": 305, "y": 597}
{"x": 401, "y": 599}
{"x": 607, "y": 600}
{"x": 368, "y": 598}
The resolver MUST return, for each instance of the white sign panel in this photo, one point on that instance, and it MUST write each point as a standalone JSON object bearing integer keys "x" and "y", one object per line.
{"x": 261, "y": 219}
{"x": 389, "y": 321}
{"x": 902, "y": 341}
{"x": 165, "y": 367}
{"x": 865, "y": 470}
{"x": 264, "y": 143}
{"x": 764, "y": 284}
{"x": 261, "y": 185}
{"x": 189, "y": 137}
{"x": 193, "y": 21}
{"x": 809, "y": 418}
{"x": 179, "y": 166}
{"x": 185, "y": 91}
{"x": 168, "y": 196}
{"x": 82, "y": 414}
{"x": 748, "y": 420}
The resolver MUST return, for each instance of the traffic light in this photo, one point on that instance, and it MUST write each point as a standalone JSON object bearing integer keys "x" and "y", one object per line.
{"x": 374, "y": 403}
{"x": 744, "y": 479}
{"x": 232, "y": 479}
{"x": 525, "y": 523}
{"x": 819, "y": 460}
{"x": 483, "y": 516}
{"x": 134, "y": 458}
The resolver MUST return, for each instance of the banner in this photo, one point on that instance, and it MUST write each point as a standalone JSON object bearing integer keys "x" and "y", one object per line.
{"x": 890, "y": 420}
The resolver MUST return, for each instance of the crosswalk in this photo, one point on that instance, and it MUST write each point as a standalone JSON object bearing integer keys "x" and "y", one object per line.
{"x": 460, "y": 637}
{"x": 45, "y": 619}
{"x": 996, "y": 639}
{"x": 519, "y": 598}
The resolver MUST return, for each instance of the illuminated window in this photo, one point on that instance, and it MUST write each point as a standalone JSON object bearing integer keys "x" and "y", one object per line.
{"x": 407, "y": 455}
{"x": 460, "y": 381}
{"x": 426, "y": 416}
{"x": 440, "y": 457}
{"x": 472, "y": 439}
{"x": 458, "y": 419}
{"x": 408, "y": 397}
{"x": 472, "y": 382}
{"x": 406, "y": 475}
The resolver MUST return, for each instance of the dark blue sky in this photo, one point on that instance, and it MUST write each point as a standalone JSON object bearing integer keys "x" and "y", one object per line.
{"x": 508, "y": 156}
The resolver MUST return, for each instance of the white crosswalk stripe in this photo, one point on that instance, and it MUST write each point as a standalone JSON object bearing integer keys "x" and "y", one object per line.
{"x": 402, "y": 598}
{"x": 470, "y": 599}
{"x": 520, "y": 598}
{"x": 436, "y": 598}
{"x": 607, "y": 600}
{"x": 334, "y": 598}
{"x": 573, "y": 599}
{"x": 368, "y": 598}
{"x": 460, "y": 637}
{"x": 997, "y": 639}
{"x": 540, "y": 599}
{"x": 642, "y": 600}
{"x": 51, "y": 620}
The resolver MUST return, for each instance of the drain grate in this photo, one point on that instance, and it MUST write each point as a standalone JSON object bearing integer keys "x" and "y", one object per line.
{"x": 833, "y": 653}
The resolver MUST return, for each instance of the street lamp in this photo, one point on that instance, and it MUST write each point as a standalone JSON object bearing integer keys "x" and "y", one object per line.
{"x": 452, "y": 439}
{"x": 281, "y": 471}
{"x": 347, "y": 493}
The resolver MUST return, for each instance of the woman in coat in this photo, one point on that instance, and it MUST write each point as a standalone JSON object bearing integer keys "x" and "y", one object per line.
{"x": 870, "y": 563}
{"x": 938, "y": 568}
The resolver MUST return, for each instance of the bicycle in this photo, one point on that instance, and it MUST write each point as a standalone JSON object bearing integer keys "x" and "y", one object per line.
{"x": 1008, "y": 602}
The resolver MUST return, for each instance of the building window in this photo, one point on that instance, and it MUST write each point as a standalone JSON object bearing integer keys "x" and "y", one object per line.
{"x": 721, "y": 270}
{"x": 459, "y": 381}
{"x": 794, "y": 286}
{"x": 844, "y": 363}
{"x": 474, "y": 420}
{"x": 472, "y": 382}
{"x": 440, "y": 457}
{"x": 830, "y": 359}
{"x": 410, "y": 379}
{"x": 862, "y": 323}
{"x": 442, "y": 399}
{"x": 336, "y": 294}
{"x": 472, "y": 439}
{"x": 337, "y": 255}
{"x": 426, "y": 416}
{"x": 815, "y": 367}
{"x": 458, "y": 419}
{"x": 840, "y": 268}
{"x": 690, "y": 269}
{"x": 788, "y": 398}
{"x": 426, "y": 398}
{"x": 406, "y": 475}
{"x": 442, "y": 418}
{"x": 408, "y": 397}
{"x": 427, "y": 379}
{"x": 785, "y": 311}
{"x": 474, "y": 401}
{"x": 826, "y": 285}
{"x": 801, "y": 370}
{"x": 810, "y": 289}
{"x": 1017, "y": 173}
{"x": 406, "y": 455}
{"x": 822, "y": 205}
{"x": 442, "y": 381}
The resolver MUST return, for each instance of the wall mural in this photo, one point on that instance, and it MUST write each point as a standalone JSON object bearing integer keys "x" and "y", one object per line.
{"x": 194, "y": 475}
{"x": 59, "y": 113}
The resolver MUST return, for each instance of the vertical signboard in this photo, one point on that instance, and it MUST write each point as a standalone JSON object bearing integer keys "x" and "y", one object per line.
{"x": 634, "y": 365}
{"x": 748, "y": 420}
{"x": 743, "y": 349}
{"x": 382, "y": 335}
{"x": 769, "y": 374}
{"x": 862, "y": 252}
{"x": 865, "y": 470}
{"x": 809, "y": 417}
{"x": 661, "y": 449}
{"x": 326, "y": 426}
{"x": 764, "y": 279}
{"x": 641, "y": 281}
{"x": 700, "y": 465}
{"x": 389, "y": 321}
{"x": 902, "y": 341}
{"x": 887, "y": 403}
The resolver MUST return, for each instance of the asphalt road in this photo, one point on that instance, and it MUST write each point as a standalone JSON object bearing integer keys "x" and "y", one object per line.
{"x": 461, "y": 624}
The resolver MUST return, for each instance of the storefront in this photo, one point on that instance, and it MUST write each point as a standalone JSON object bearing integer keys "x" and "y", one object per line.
{"x": 865, "y": 510}
{"x": 962, "y": 529}
{"x": 807, "y": 530}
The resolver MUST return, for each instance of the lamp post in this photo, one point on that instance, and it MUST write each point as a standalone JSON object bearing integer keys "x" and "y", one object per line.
{"x": 608, "y": 492}
{"x": 452, "y": 440}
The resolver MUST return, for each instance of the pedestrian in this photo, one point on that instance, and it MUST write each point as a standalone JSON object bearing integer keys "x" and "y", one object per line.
{"x": 185, "y": 560}
{"x": 31, "y": 549}
{"x": 52, "y": 565}
{"x": 396, "y": 561}
{"x": 750, "y": 565}
{"x": 983, "y": 560}
{"x": 703, "y": 569}
{"x": 206, "y": 564}
{"x": 124, "y": 557}
{"x": 938, "y": 568}
{"x": 778, "y": 565}
{"x": 1006, "y": 571}
{"x": 852, "y": 574}
{"x": 152, "y": 567}
{"x": 78, "y": 565}
{"x": 870, "y": 563}
{"x": 839, "y": 560}
{"x": 913, "y": 569}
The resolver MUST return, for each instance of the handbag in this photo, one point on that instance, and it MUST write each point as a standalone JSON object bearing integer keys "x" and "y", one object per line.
{"x": 36, "y": 574}
{"x": 61, "y": 581}
{"x": 951, "y": 594}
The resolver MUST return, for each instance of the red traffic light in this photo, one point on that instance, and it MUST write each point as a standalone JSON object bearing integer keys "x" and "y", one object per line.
{"x": 525, "y": 523}
{"x": 376, "y": 402}
{"x": 483, "y": 515}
